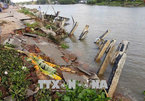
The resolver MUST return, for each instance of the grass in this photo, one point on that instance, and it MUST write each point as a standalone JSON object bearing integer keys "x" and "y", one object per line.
{"x": 33, "y": 25}
{"x": 51, "y": 26}
{"x": 64, "y": 46}
{"x": 26, "y": 11}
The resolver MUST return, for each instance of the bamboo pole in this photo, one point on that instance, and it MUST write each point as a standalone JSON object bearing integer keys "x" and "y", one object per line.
{"x": 73, "y": 29}
{"x": 84, "y": 32}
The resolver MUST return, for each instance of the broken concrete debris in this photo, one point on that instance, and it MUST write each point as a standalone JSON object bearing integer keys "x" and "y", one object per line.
{"x": 122, "y": 48}
{"x": 84, "y": 33}
{"x": 97, "y": 40}
{"x": 73, "y": 29}
{"x": 107, "y": 58}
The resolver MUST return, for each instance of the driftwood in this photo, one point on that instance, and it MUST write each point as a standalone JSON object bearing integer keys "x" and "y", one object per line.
{"x": 122, "y": 48}
{"x": 115, "y": 74}
{"x": 107, "y": 57}
{"x": 101, "y": 37}
{"x": 102, "y": 50}
{"x": 73, "y": 29}
{"x": 84, "y": 32}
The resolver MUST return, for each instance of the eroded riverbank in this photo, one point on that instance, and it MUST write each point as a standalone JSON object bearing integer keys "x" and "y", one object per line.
{"x": 124, "y": 23}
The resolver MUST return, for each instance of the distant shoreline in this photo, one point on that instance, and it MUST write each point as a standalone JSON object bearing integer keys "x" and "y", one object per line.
{"x": 117, "y": 4}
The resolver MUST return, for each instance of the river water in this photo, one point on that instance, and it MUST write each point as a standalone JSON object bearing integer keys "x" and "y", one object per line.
{"x": 125, "y": 24}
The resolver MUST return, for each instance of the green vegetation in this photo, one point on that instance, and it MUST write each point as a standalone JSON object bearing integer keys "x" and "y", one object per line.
{"x": 80, "y": 93}
{"x": 117, "y": 2}
{"x": 26, "y": 11}
{"x": 33, "y": 25}
{"x": 10, "y": 45}
{"x": 42, "y": 2}
{"x": 13, "y": 76}
{"x": 51, "y": 26}
{"x": 43, "y": 95}
{"x": 66, "y": 1}
{"x": 64, "y": 46}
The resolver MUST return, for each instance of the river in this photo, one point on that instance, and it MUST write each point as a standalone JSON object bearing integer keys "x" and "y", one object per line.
{"x": 125, "y": 24}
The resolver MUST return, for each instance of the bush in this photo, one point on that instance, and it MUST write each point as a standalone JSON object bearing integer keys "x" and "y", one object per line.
{"x": 92, "y": 1}
{"x": 80, "y": 93}
{"x": 26, "y": 11}
{"x": 67, "y": 1}
{"x": 64, "y": 45}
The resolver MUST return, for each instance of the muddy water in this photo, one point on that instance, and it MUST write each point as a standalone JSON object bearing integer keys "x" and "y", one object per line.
{"x": 125, "y": 24}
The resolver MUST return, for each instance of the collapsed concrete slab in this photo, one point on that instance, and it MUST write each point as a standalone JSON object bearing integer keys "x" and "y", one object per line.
{"x": 69, "y": 76}
{"x": 52, "y": 51}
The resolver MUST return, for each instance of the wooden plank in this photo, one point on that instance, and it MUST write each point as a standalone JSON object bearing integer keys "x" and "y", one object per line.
{"x": 84, "y": 32}
{"x": 73, "y": 29}
{"x": 107, "y": 57}
{"x": 102, "y": 51}
{"x": 122, "y": 48}
{"x": 115, "y": 74}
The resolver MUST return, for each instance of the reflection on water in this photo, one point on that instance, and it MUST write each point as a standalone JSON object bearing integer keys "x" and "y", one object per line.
{"x": 125, "y": 24}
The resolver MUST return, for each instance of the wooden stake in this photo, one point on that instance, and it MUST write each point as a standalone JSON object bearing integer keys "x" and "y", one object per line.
{"x": 84, "y": 32}
{"x": 102, "y": 51}
{"x": 73, "y": 29}
{"x": 115, "y": 74}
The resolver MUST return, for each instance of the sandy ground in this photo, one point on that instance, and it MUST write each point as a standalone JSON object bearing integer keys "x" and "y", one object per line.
{"x": 9, "y": 21}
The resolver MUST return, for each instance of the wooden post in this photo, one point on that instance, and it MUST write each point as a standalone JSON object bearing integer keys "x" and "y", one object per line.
{"x": 73, "y": 29}
{"x": 56, "y": 15}
{"x": 101, "y": 37}
{"x": 102, "y": 51}
{"x": 62, "y": 23}
{"x": 107, "y": 57}
{"x": 115, "y": 74}
{"x": 122, "y": 48}
{"x": 84, "y": 32}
